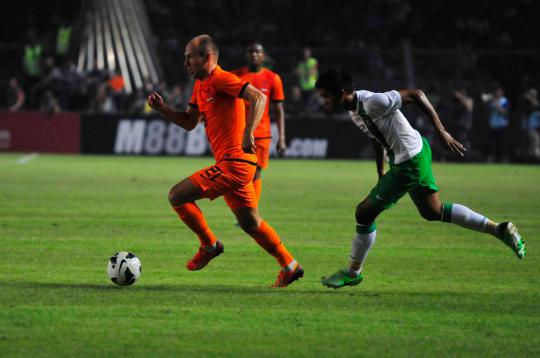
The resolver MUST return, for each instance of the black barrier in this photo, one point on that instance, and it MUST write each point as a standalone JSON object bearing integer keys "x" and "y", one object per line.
{"x": 306, "y": 138}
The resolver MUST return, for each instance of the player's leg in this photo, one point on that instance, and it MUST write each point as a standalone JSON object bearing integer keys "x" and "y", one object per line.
{"x": 243, "y": 203}
{"x": 366, "y": 232}
{"x": 182, "y": 197}
{"x": 263, "y": 155}
{"x": 390, "y": 188}
{"x": 426, "y": 198}
{"x": 431, "y": 208}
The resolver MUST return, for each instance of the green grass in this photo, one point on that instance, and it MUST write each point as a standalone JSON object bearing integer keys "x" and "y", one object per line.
{"x": 429, "y": 288}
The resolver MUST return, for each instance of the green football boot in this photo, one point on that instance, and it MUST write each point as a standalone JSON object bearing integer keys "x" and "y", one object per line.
{"x": 341, "y": 279}
{"x": 512, "y": 239}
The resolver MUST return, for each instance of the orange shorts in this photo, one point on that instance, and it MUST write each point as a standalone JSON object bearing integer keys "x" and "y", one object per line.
{"x": 263, "y": 151}
{"x": 232, "y": 179}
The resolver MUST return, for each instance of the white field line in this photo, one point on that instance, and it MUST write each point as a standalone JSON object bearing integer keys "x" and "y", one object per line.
{"x": 27, "y": 158}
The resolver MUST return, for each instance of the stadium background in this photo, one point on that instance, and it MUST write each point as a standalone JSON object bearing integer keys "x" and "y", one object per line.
{"x": 390, "y": 44}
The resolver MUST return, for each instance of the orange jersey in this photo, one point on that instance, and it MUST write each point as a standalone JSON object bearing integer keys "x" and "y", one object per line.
{"x": 268, "y": 83}
{"x": 218, "y": 99}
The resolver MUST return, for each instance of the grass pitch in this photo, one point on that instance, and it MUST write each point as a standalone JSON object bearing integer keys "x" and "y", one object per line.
{"x": 429, "y": 289}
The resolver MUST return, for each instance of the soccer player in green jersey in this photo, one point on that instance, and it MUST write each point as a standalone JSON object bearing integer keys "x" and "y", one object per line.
{"x": 409, "y": 156}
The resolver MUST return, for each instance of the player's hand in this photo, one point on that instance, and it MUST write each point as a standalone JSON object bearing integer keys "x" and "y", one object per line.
{"x": 281, "y": 147}
{"x": 156, "y": 102}
{"x": 248, "y": 143}
{"x": 451, "y": 144}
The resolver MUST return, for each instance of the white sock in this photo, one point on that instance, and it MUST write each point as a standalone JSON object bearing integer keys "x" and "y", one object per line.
{"x": 291, "y": 266}
{"x": 362, "y": 242}
{"x": 465, "y": 217}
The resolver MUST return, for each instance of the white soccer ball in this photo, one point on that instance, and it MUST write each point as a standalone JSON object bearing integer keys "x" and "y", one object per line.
{"x": 124, "y": 268}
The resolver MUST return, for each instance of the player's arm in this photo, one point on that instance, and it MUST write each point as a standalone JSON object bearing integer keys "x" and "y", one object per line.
{"x": 419, "y": 98}
{"x": 280, "y": 121}
{"x": 257, "y": 103}
{"x": 379, "y": 157}
{"x": 187, "y": 120}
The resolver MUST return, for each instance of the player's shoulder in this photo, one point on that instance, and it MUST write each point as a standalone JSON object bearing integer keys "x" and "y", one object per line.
{"x": 271, "y": 75}
{"x": 364, "y": 95}
{"x": 221, "y": 75}
{"x": 269, "y": 72}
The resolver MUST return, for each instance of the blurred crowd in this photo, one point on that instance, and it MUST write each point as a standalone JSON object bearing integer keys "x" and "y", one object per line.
{"x": 487, "y": 123}
{"x": 464, "y": 110}
{"x": 65, "y": 88}
{"x": 51, "y": 82}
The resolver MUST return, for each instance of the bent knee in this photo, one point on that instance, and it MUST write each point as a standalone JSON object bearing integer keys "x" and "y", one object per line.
{"x": 431, "y": 215}
{"x": 363, "y": 216}
{"x": 172, "y": 196}
{"x": 175, "y": 198}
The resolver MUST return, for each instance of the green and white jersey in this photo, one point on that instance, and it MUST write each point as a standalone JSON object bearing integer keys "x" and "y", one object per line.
{"x": 378, "y": 115}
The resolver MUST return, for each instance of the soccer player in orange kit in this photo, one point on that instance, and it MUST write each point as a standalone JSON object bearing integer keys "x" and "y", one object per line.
{"x": 270, "y": 84}
{"x": 217, "y": 101}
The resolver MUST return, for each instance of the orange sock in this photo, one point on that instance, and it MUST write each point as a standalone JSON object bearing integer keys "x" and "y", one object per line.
{"x": 193, "y": 217}
{"x": 269, "y": 240}
{"x": 257, "y": 184}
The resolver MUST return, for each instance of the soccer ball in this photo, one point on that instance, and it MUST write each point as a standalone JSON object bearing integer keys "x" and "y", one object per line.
{"x": 124, "y": 268}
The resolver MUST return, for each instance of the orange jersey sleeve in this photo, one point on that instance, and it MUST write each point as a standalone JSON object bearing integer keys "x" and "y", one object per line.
{"x": 277, "y": 89}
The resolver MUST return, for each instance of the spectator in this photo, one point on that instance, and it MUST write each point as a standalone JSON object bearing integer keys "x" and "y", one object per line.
{"x": 73, "y": 87}
{"x": 139, "y": 104}
{"x": 532, "y": 111}
{"x": 32, "y": 58}
{"x": 499, "y": 107}
{"x": 308, "y": 72}
{"x": 116, "y": 83}
{"x": 15, "y": 95}
{"x": 294, "y": 104}
{"x": 103, "y": 100}
{"x": 49, "y": 103}
{"x": 463, "y": 115}
{"x": 117, "y": 91}
{"x": 52, "y": 78}
{"x": 63, "y": 38}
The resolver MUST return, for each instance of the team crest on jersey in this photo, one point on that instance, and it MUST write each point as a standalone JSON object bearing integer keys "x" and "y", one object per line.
{"x": 208, "y": 94}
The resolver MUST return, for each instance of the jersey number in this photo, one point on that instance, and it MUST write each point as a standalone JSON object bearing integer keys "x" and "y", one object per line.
{"x": 212, "y": 173}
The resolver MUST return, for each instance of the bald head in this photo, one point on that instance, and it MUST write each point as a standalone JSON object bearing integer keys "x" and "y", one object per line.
{"x": 204, "y": 44}
{"x": 201, "y": 56}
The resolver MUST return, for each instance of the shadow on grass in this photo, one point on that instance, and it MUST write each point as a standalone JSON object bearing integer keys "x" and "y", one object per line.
{"x": 297, "y": 297}
{"x": 215, "y": 289}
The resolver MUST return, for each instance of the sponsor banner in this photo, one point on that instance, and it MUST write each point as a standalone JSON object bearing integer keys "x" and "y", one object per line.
{"x": 39, "y": 132}
{"x": 306, "y": 138}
